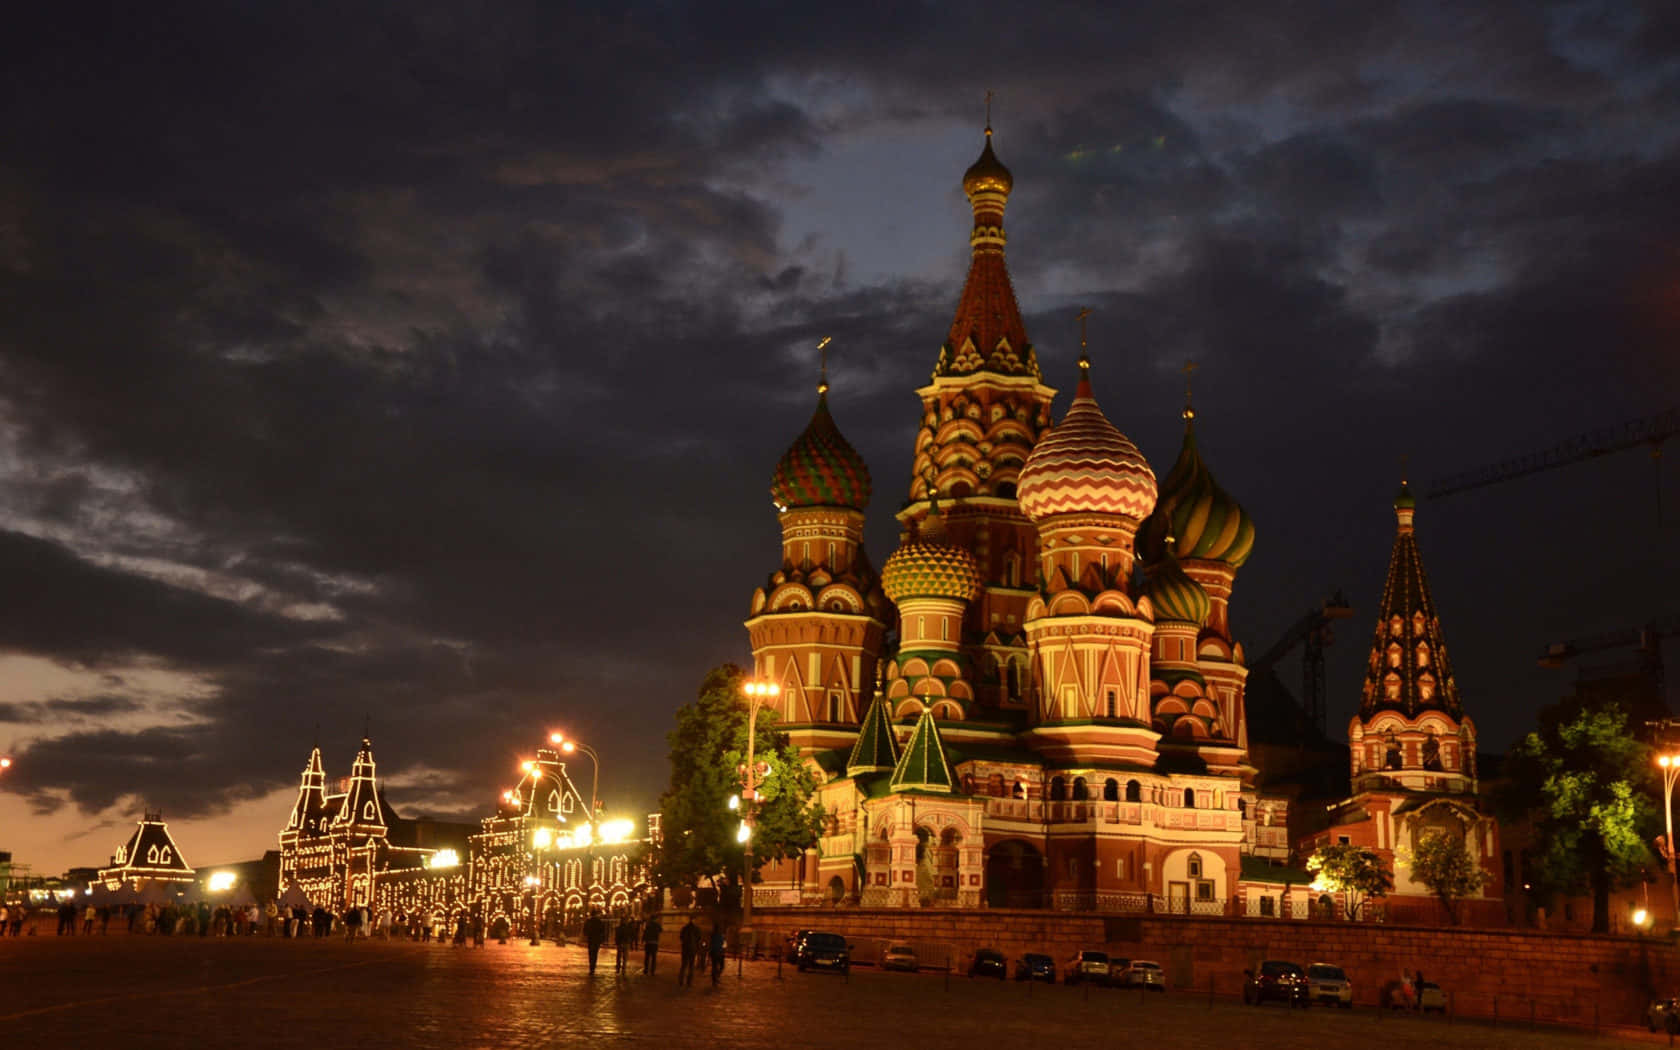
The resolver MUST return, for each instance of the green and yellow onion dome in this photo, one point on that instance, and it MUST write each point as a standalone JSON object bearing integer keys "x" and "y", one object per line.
{"x": 987, "y": 173}
{"x": 1209, "y": 525}
{"x": 820, "y": 468}
{"x": 1176, "y": 597}
{"x": 926, "y": 566}
{"x": 1085, "y": 466}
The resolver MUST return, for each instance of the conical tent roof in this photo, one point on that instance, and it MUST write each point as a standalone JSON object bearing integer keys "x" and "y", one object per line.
{"x": 1408, "y": 669}
{"x": 876, "y": 750}
{"x": 149, "y": 853}
{"x": 923, "y": 766}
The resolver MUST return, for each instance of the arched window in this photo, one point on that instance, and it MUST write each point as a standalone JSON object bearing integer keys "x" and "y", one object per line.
{"x": 1058, "y": 789}
{"x": 1422, "y": 654}
{"x": 1080, "y": 794}
{"x": 994, "y": 785}
{"x": 1193, "y": 866}
{"x": 1392, "y": 758}
{"x": 1391, "y": 686}
{"x": 1018, "y": 791}
{"x": 1134, "y": 791}
{"x": 1394, "y": 654}
{"x": 1189, "y": 798}
{"x": 1111, "y": 790}
{"x": 1242, "y": 808}
{"x": 1432, "y": 754}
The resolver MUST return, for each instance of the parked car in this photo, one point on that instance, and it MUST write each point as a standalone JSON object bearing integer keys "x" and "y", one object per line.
{"x": 1430, "y": 997}
{"x": 795, "y": 944}
{"x": 1663, "y": 1015}
{"x": 1088, "y": 966}
{"x": 989, "y": 962}
{"x": 900, "y": 957}
{"x": 1329, "y": 985}
{"x": 824, "y": 951}
{"x": 1275, "y": 980}
{"x": 1035, "y": 966}
{"x": 1142, "y": 973}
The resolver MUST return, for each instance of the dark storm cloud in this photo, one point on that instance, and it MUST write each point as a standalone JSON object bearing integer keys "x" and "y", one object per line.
{"x": 473, "y": 336}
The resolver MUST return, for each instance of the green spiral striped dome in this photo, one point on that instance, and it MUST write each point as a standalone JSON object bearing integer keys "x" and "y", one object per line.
{"x": 1177, "y": 598}
{"x": 1210, "y": 525}
{"x": 820, "y": 468}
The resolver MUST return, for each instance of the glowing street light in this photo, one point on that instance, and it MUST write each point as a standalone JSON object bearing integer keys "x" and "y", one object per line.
{"x": 1670, "y": 764}
{"x": 5, "y": 763}
{"x": 759, "y": 691}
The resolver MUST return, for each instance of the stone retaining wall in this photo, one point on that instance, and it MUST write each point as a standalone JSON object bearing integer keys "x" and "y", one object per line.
{"x": 1559, "y": 977}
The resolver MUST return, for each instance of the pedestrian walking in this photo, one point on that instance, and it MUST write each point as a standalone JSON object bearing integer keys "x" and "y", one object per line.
{"x": 715, "y": 950}
{"x": 689, "y": 939}
{"x": 650, "y": 944}
{"x": 624, "y": 939}
{"x": 594, "y": 935}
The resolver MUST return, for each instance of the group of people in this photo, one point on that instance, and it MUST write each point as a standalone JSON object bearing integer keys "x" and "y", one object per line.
{"x": 693, "y": 942}
{"x": 166, "y": 918}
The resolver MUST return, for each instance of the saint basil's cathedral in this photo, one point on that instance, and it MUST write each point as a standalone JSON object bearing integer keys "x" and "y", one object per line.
{"x": 1038, "y": 700}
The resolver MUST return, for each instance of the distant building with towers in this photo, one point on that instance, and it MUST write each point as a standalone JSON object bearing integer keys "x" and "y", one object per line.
{"x": 1412, "y": 749}
{"x": 1038, "y": 700}
{"x": 545, "y": 856}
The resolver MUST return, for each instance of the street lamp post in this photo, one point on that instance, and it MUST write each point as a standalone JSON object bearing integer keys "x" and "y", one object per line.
{"x": 569, "y": 745}
{"x": 1671, "y": 771}
{"x": 758, "y": 693}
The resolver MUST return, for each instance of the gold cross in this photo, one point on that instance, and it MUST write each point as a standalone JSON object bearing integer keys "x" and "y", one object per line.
{"x": 822, "y": 355}
{"x": 1189, "y": 372}
{"x": 1084, "y": 312}
{"x": 988, "y": 110}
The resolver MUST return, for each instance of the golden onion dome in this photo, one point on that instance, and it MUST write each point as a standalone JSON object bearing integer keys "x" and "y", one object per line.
{"x": 987, "y": 173}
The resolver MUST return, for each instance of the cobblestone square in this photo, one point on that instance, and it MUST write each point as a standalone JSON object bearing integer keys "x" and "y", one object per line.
{"x": 141, "y": 992}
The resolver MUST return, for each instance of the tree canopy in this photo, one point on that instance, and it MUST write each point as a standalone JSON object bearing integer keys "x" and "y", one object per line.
{"x": 1580, "y": 778}
{"x": 1441, "y": 860}
{"x": 1357, "y": 873}
{"x": 708, "y": 747}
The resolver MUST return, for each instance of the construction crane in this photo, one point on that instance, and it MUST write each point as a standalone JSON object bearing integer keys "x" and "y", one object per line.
{"x": 1312, "y": 632}
{"x": 1647, "y": 639}
{"x": 1652, "y": 431}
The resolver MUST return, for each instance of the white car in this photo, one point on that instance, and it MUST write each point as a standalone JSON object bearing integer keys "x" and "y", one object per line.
{"x": 1088, "y": 966}
{"x": 1329, "y": 985}
{"x": 1142, "y": 973}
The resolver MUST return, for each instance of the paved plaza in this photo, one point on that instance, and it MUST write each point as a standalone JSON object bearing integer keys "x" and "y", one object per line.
{"x": 143, "y": 992}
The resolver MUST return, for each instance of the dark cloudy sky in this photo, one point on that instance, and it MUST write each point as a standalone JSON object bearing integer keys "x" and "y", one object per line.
{"x": 428, "y": 363}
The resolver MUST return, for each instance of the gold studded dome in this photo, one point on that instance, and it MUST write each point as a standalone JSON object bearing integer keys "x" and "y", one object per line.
{"x": 987, "y": 173}
{"x": 927, "y": 566}
{"x": 1086, "y": 466}
{"x": 820, "y": 468}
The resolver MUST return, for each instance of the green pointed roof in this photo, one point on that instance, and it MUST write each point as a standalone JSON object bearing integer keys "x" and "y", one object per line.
{"x": 923, "y": 767}
{"x": 876, "y": 751}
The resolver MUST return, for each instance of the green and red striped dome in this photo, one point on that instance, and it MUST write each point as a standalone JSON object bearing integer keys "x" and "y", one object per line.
{"x": 821, "y": 468}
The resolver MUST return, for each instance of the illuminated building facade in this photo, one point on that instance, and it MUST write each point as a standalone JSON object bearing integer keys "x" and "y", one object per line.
{"x": 149, "y": 855}
{"x": 544, "y": 852}
{"x": 1038, "y": 701}
{"x": 1412, "y": 747}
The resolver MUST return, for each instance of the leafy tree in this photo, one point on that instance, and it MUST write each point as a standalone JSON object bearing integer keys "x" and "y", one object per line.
{"x": 1354, "y": 872}
{"x": 698, "y": 829}
{"x": 1580, "y": 779}
{"x": 1442, "y": 862}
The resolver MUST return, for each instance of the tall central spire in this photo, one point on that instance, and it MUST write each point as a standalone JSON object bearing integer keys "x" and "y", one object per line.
{"x": 987, "y": 334}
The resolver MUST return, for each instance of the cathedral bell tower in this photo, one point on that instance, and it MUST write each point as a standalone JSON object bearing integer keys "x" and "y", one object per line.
{"x": 981, "y": 414}
{"x": 816, "y": 626}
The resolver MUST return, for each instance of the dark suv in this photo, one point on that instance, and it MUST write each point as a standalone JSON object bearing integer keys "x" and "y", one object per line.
{"x": 989, "y": 962}
{"x": 1277, "y": 980}
{"x": 825, "y": 951}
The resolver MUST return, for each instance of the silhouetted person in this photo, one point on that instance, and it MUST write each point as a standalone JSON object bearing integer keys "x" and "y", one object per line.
{"x": 594, "y": 935}
{"x": 690, "y": 939}
{"x": 650, "y": 945}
